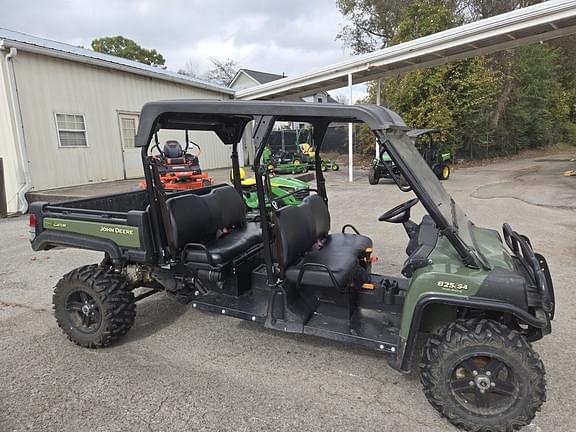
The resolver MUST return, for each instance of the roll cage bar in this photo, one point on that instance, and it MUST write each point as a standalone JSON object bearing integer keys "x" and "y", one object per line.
{"x": 228, "y": 120}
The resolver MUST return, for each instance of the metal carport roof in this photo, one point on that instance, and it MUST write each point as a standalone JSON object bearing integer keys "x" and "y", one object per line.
{"x": 535, "y": 23}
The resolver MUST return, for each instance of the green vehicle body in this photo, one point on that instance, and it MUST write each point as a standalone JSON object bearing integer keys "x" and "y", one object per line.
{"x": 289, "y": 191}
{"x": 446, "y": 268}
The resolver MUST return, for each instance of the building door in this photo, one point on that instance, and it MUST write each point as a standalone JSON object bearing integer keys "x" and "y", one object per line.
{"x": 130, "y": 153}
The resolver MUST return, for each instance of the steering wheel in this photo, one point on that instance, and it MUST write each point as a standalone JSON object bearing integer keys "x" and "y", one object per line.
{"x": 400, "y": 213}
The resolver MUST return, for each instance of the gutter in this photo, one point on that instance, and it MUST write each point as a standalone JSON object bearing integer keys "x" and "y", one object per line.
{"x": 20, "y": 138}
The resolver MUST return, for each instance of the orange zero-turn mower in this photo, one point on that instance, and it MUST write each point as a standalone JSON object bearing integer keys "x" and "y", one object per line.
{"x": 178, "y": 169}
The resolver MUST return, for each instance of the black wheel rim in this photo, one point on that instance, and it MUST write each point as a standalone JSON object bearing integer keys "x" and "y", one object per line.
{"x": 83, "y": 312}
{"x": 484, "y": 384}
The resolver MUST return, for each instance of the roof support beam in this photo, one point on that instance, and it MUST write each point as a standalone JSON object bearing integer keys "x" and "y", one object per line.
{"x": 350, "y": 136}
{"x": 378, "y": 97}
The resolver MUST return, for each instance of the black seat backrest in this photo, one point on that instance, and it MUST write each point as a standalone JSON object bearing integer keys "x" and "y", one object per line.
{"x": 227, "y": 208}
{"x": 190, "y": 221}
{"x": 295, "y": 233}
{"x": 173, "y": 149}
{"x": 299, "y": 227}
{"x": 320, "y": 214}
{"x": 199, "y": 218}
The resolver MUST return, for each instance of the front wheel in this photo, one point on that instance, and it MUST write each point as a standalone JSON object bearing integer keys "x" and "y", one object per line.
{"x": 372, "y": 177}
{"x": 483, "y": 376}
{"x": 94, "y": 306}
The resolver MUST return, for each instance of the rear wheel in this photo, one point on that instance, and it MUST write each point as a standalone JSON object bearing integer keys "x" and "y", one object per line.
{"x": 94, "y": 306}
{"x": 335, "y": 166}
{"x": 373, "y": 177}
{"x": 483, "y": 376}
{"x": 444, "y": 172}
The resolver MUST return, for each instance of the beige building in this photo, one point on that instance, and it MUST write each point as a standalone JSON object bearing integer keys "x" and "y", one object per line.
{"x": 68, "y": 115}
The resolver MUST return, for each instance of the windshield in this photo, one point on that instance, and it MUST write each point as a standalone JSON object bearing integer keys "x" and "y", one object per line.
{"x": 428, "y": 188}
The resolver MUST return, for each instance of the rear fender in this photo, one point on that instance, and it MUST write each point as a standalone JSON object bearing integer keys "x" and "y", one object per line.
{"x": 51, "y": 239}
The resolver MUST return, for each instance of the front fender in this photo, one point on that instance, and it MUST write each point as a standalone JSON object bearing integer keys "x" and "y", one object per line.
{"x": 408, "y": 344}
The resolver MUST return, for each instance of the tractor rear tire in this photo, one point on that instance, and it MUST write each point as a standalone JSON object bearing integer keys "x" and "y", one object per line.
{"x": 372, "y": 177}
{"x": 444, "y": 172}
{"x": 483, "y": 376}
{"x": 94, "y": 306}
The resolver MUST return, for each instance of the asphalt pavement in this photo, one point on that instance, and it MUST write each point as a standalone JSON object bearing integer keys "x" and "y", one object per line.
{"x": 181, "y": 369}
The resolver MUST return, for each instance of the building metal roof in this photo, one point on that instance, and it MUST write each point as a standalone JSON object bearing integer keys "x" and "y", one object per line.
{"x": 543, "y": 21}
{"x": 25, "y": 42}
{"x": 262, "y": 77}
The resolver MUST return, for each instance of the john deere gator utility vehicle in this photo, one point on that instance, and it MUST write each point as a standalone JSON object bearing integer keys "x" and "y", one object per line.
{"x": 467, "y": 305}
{"x": 431, "y": 151}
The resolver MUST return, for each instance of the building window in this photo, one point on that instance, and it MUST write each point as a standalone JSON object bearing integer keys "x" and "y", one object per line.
{"x": 71, "y": 130}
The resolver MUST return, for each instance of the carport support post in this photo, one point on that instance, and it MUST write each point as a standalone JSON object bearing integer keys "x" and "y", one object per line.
{"x": 350, "y": 136}
{"x": 378, "y": 89}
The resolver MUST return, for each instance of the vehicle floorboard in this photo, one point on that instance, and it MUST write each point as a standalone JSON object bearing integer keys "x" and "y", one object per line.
{"x": 251, "y": 306}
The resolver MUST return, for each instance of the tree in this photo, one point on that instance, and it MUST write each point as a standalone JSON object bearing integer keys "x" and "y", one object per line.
{"x": 373, "y": 23}
{"x": 222, "y": 71}
{"x": 189, "y": 69}
{"x": 486, "y": 105}
{"x": 454, "y": 98}
{"x": 126, "y": 48}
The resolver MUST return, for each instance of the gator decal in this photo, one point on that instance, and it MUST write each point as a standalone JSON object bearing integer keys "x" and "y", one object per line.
{"x": 122, "y": 235}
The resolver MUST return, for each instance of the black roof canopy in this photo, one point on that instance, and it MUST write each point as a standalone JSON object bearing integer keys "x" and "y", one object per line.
{"x": 228, "y": 118}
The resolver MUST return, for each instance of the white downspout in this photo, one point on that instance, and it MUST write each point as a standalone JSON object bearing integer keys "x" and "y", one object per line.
{"x": 22, "y": 203}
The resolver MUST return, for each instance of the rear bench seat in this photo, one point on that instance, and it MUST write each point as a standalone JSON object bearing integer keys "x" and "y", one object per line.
{"x": 211, "y": 228}
{"x": 306, "y": 250}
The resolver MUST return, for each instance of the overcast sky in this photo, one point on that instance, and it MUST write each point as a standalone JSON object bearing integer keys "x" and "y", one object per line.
{"x": 276, "y": 36}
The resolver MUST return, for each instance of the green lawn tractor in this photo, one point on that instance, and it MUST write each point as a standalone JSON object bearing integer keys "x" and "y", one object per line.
{"x": 308, "y": 153}
{"x": 430, "y": 150}
{"x": 284, "y": 190}
{"x": 283, "y": 163}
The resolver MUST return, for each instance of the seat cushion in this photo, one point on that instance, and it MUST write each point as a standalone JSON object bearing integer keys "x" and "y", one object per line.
{"x": 347, "y": 243}
{"x": 227, "y": 246}
{"x": 343, "y": 267}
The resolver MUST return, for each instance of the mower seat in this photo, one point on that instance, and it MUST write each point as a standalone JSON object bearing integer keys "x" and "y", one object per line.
{"x": 357, "y": 244}
{"x": 211, "y": 229}
{"x": 173, "y": 149}
{"x": 298, "y": 258}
